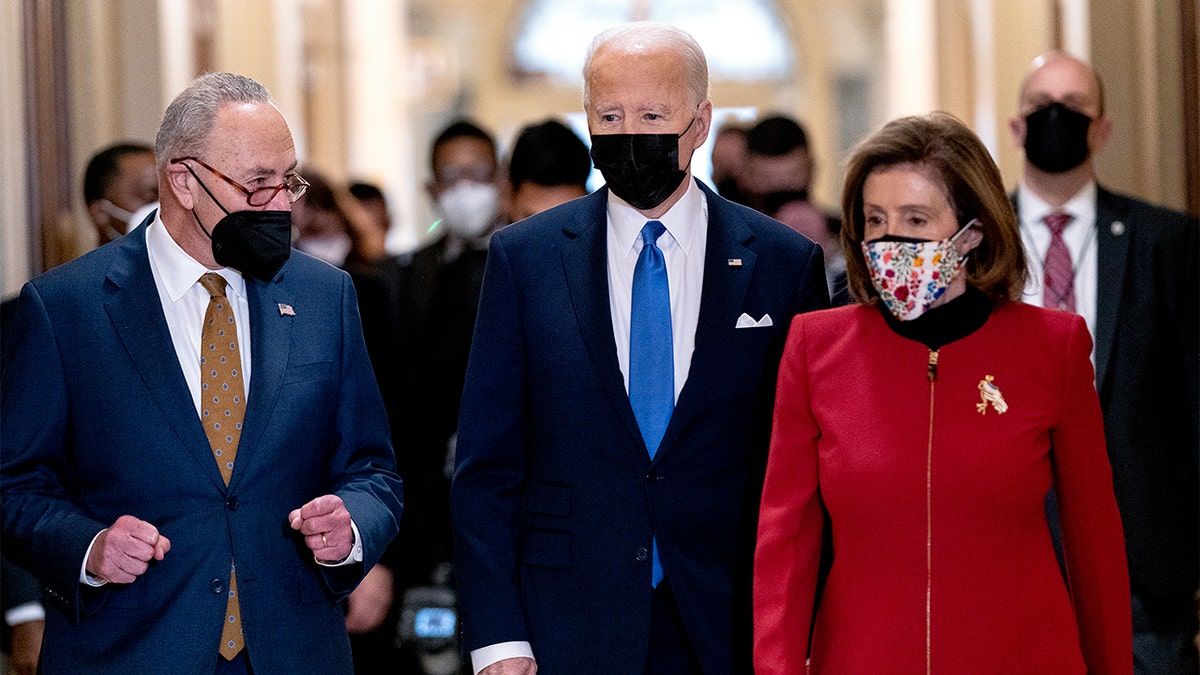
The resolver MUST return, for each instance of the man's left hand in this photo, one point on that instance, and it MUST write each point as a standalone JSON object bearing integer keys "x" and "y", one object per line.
{"x": 325, "y": 524}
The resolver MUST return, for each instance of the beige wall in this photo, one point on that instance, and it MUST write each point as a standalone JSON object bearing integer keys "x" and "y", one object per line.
{"x": 1137, "y": 52}
{"x": 115, "y": 87}
{"x": 16, "y": 255}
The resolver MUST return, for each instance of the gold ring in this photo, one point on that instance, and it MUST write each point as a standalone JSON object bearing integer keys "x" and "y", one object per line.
{"x": 324, "y": 541}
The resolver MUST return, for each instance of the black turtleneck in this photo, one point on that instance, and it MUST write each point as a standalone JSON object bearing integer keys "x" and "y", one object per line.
{"x": 945, "y": 323}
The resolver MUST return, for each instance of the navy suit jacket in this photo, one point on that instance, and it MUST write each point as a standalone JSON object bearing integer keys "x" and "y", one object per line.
{"x": 98, "y": 423}
{"x": 1147, "y": 319}
{"x": 555, "y": 499}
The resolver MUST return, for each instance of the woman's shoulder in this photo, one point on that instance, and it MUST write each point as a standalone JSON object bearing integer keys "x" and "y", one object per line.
{"x": 1040, "y": 318}
{"x": 1040, "y": 331}
{"x": 838, "y": 323}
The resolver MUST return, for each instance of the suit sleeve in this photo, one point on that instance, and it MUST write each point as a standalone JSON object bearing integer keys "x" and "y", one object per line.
{"x": 363, "y": 466}
{"x": 490, "y": 463}
{"x": 786, "y": 560}
{"x": 1093, "y": 539}
{"x": 813, "y": 293}
{"x": 44, "y": 531}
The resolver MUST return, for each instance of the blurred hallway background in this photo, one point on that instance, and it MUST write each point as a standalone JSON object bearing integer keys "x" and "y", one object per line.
{"x": 366, "y": 84}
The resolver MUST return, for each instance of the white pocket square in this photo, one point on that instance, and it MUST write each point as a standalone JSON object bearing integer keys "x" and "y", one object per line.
{"x": 747, "y": 321}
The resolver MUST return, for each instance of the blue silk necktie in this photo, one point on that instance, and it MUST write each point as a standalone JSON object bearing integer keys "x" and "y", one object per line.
{"x": 651, "y": 360}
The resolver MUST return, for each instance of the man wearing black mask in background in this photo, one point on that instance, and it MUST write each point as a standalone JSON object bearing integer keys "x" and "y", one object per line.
{"x": 611, "y": 449}
{"x": 1130, "y": 269}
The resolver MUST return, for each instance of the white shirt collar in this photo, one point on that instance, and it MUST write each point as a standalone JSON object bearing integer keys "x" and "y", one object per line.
{"x": 177, "y": 271}
{"x": 681, "y": 221}
{"x": 1034, "y": 208}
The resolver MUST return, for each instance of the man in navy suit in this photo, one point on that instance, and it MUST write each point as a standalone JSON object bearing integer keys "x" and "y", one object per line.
{"x": 1132, "y": 273}
{"x": 165, "y": 546}
{"x": 590, "y": 535}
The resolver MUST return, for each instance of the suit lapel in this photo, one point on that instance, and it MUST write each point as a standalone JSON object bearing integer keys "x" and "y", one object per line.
{"x": 270, "y": 338}
{"x": 721, "y": 300}
{"x": 136, "y": 312}
{"x": 1112, "y": 252}
{"x": 585, "y": 266}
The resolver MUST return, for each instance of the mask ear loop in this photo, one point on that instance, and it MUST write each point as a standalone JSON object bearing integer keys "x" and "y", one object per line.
{"x": 115, "y": 211}
{"x": 973, "y": 221}
{"x": 210, "y": 196}
{"x": 679, "y": 136}
{"x": 964, "y": 228}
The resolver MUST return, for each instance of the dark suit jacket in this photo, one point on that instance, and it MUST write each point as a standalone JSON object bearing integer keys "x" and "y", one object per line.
{"x": 1147, "y": 318}
{"x": 98, "y": 423}
{"x": 17, "y": 585}
{"x": 555, "y": 499}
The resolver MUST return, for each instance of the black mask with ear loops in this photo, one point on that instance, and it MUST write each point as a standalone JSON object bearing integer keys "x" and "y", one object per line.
{"x": 256, "y": 243}
{"x": 642, "y": 169}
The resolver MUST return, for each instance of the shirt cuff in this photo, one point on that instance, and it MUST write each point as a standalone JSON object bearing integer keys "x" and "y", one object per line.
{"x": 485, "y": 656}
{"x": 24, "y": 613}
{"x": 356, "y": 552}
{"x": 84, "y": 577}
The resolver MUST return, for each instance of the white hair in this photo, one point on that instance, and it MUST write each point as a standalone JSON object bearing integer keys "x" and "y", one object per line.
{"x": 652, "y": 34}
{"x": 191, "y": 116}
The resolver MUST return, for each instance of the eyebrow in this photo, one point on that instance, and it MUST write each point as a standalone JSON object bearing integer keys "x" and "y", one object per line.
{"x": 659, "y": 108}
{"x": 260, "y": 169}
{"x": 902, "y": 207}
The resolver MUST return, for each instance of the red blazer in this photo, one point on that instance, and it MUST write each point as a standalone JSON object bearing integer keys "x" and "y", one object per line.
{"x": 942, "y": 558}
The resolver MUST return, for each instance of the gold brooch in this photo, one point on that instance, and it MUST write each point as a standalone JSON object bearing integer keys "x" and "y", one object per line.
{"x": 990, "y": 393}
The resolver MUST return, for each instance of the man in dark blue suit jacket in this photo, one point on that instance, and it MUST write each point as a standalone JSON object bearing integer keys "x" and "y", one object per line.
{"x": 1136, "y": 280}
{"x": 558, "y": 507}
{"x": 111, "y": 492}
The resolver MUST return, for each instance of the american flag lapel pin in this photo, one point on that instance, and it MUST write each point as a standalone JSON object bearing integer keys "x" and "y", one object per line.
{"x": 735, "y": 262}
{"x": 286, "y": 310}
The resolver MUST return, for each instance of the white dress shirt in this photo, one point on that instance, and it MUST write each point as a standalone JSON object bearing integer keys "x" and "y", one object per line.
{"x": 1080, "y": 237}
{"x": 184, "y": 302}
{"x": 683, "y": 246}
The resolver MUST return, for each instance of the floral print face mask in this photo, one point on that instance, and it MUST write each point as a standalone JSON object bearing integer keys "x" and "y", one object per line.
{"x": 911, "y": 274}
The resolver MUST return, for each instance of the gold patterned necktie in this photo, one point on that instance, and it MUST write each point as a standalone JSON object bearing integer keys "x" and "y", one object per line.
{"x": 222, "y": 409}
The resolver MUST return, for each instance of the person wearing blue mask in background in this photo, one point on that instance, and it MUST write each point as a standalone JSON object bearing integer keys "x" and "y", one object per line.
{"x": 616, "y": 411}
{"x": 1132, "y": 270}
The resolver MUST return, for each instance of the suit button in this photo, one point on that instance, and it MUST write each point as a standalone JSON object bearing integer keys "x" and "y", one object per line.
{"x": 641, "y": 554}
{"x": 652, "y": 479}
{"x": 232, "y": 503}
{"x": 217, "y": 586}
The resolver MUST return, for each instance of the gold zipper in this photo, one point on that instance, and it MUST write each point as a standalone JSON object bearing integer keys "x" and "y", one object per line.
{"x": 931, "y": 373}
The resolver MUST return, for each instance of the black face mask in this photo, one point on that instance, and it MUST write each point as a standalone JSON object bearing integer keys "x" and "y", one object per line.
{"x": 256, "y": 243}
{"x": 642, "y": 169}
{"x": 898, "y": 239}
{"x": 1056, "y": 138}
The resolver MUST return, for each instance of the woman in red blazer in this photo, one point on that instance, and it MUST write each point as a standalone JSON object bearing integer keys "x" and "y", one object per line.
{"x": 924, "y": 426}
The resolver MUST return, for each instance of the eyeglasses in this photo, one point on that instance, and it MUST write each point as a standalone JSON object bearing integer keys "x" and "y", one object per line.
{"x": 295, "y": 185}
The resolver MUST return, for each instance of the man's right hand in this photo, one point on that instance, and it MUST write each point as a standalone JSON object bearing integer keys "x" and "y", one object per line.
{"x": 123, "y": 552}
{"x": 517, "y": 666}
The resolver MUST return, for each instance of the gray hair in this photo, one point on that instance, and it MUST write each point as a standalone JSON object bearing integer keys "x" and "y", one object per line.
{"x": 653, "y": 34}
{"x": 191, "y": 116}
